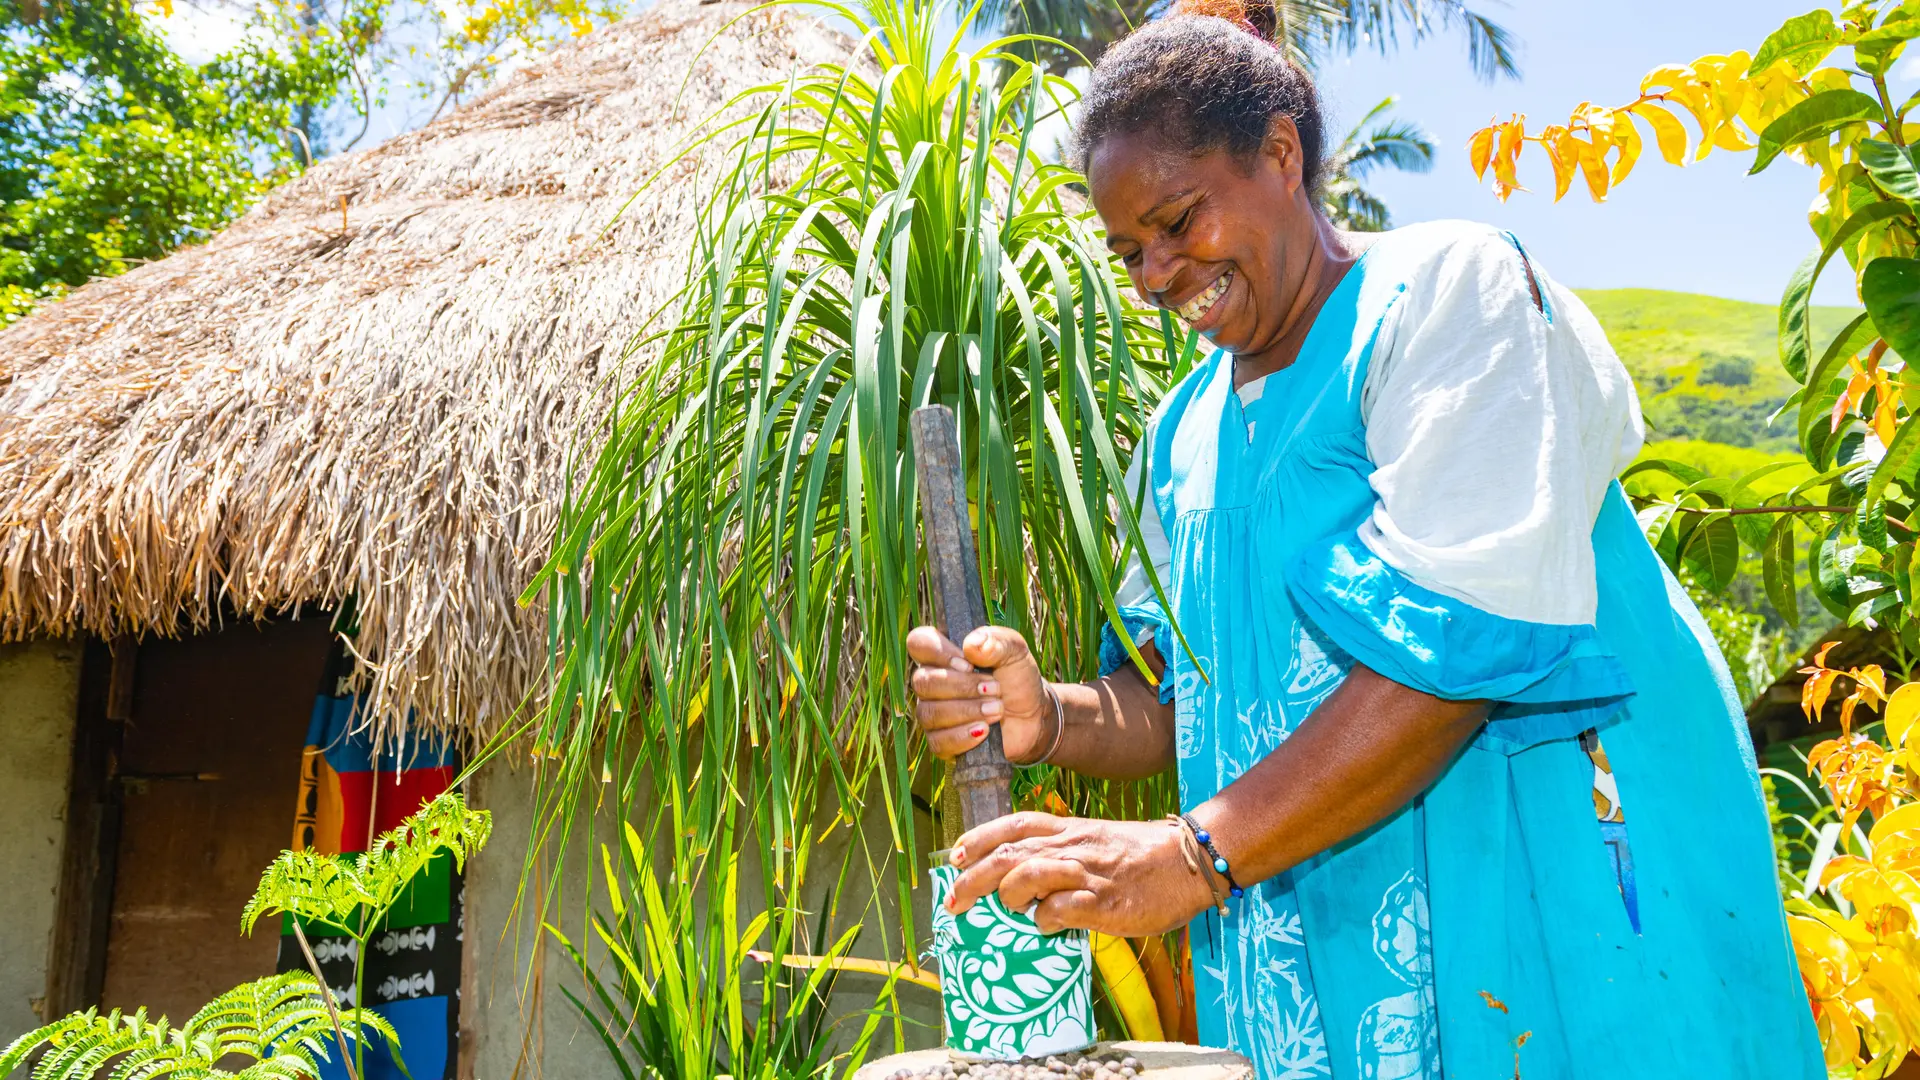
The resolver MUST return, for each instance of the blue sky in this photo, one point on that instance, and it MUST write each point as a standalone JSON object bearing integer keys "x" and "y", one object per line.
{"x": 1706, "y": 228}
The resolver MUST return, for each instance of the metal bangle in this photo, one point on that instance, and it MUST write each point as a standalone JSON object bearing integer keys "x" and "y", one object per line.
{"x": 1059, "y": 729}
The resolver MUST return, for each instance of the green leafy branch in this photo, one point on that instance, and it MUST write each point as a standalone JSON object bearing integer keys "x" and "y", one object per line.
{"x": 354, "y": 895}
{"x": 280, "y": 1023}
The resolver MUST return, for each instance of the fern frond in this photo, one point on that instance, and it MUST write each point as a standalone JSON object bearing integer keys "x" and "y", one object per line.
{"x": 444, "y": 824}
{"x": 320, "y": 889}
{"x": 313, "y": 888}
{"x": 281, "y": 1022}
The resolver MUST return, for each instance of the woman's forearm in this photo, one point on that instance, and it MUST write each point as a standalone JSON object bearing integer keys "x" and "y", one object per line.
{"x": 1116, "y": 727}
{"x": 1371, "y": 748}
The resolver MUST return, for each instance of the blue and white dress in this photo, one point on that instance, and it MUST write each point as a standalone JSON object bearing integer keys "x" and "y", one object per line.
{"x": 1428, "y": 490}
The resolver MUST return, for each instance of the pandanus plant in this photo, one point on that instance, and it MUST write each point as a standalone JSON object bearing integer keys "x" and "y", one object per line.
{"x": 735, "y": 574}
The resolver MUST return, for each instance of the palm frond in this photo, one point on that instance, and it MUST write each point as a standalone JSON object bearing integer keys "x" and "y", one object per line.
{"x": 1349, "y": 206}
{"x": 1492, "y": 51}
{"x": 1401, "y": 145}
{"x": 1375, "y": 141}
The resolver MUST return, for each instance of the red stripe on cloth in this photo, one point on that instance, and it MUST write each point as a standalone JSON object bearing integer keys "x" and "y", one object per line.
{"x": 398, "y": 795}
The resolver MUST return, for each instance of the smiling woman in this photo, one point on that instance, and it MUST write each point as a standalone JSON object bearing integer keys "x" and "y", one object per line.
{"x": 1404, "y": 605}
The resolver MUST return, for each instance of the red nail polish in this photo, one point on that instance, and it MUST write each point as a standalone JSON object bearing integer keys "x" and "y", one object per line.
{"x": 977, "y": 731}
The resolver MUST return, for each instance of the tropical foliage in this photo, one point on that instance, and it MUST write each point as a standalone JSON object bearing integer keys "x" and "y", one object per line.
{"x": 1814, "y": 92}
{"x": 352, "y": 895}
{"x": 278, "y": 1026}
{"x": 115, "y": 150}
{"x": 673, "y": 1003}
{"x": 1375, "y": 142}
{"x": 733, "y": 581}
{"x": 1077, "y": 31}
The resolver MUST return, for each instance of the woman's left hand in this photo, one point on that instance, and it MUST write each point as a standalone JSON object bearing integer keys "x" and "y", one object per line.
{"x": 1125, "y": 878}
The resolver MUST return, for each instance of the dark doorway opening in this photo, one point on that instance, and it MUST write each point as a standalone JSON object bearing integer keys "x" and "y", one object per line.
{"x": 186, "y": 774}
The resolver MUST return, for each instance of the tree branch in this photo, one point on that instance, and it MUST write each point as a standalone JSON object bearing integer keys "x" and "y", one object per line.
{"x": 1774, "y": 510}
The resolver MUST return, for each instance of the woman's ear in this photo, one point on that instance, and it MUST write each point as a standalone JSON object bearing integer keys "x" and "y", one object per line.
{"x": 1281, "y": 152}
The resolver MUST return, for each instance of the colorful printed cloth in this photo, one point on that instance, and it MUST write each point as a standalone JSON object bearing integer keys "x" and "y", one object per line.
{"x": 347, "y": 797}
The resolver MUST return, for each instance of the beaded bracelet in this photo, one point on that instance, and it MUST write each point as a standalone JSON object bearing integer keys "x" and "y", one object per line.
{"x": 1219, "y": 860}
{"x": 1196, "y": 862}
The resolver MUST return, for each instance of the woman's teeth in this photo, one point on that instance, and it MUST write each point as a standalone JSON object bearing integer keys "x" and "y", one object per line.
{"x": 1197, "y": 308}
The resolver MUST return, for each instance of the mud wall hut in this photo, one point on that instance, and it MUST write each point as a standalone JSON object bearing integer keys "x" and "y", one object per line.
{"x": 355, "y": 404}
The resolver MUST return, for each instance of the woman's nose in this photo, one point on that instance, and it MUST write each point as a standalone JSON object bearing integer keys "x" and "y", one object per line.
{"x": 1157, "y": 269}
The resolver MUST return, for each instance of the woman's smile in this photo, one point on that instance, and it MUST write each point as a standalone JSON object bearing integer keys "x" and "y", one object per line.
{"x": 1204, "y": 309}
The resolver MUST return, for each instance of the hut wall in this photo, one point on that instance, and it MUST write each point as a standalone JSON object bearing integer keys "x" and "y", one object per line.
{"x": 513, "y": 1005}
{"x": 514, "y": 1020}
{"x": 39, "y": 692}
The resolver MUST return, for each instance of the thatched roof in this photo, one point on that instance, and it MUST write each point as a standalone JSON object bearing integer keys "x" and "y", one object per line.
{"x": 304, "y": 410}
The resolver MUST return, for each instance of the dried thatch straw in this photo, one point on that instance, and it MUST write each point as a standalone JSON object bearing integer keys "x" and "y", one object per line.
{"x": 373, "y": 402}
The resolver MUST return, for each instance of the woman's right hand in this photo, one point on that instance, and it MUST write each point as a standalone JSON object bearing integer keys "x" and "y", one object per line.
{"x": 990, "y": 678}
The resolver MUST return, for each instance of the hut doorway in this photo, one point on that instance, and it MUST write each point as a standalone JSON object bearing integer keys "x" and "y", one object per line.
{"x": 192, "y": 775}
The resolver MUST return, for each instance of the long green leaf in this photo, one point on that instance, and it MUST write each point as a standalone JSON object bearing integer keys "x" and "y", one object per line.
{"x": 1817, "y": 117}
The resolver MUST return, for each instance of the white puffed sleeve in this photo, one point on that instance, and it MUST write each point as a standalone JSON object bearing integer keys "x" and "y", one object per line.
{"x": 1495, "y": 427}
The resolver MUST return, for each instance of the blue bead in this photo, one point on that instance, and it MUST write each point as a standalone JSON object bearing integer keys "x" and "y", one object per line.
{"x": 1237, "y": 892}
{"x": 1220, "y": 865}
{"x": 1203, "y": 836}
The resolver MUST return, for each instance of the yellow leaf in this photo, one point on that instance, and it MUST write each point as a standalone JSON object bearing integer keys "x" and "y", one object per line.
{"x": 1903, "y": 708}
{"x": 1127, "y": 988}
{"x": 1813, "y": 692}
{"x": 1885, "y": 417}
{"x": 1871, "y": 683}
{"x": 1593, "y": 167}
{"x": 1668, "y": 132}
{"x": 1842, "y": 868}
{"x": 1626, "y": 136}
{"x": 910, "y": 973}
{"x": 1563, "y": 150}
{"x": 1667, "y": 75}
{"x": 1506, "y": 156}
{"x": 1904, "y": 819}
{"x": 1729, "y": 137}
{"x": 1480, "y": 150}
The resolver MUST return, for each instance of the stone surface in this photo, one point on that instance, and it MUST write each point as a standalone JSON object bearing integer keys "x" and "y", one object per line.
{"x": 1158, "y": 1061}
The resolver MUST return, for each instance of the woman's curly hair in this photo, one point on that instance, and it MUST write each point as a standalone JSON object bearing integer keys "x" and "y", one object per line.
{"x": 1207, "y": 77}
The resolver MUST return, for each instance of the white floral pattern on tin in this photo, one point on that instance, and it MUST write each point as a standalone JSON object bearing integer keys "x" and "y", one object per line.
{"x": 1009, "y": 990}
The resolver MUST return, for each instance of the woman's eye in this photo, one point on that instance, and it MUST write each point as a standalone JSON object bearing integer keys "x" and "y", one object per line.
{"x": 1180, "y": 223}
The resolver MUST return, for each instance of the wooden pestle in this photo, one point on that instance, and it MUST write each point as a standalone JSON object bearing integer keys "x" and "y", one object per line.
{"x": 982, "y": 776}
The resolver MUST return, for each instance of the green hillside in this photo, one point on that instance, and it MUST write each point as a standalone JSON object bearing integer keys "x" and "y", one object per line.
{"x": 1708, "y": 372}
{"x": 1707, "y": 369}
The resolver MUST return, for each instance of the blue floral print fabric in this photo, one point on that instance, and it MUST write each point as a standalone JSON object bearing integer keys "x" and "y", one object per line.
{"x": 1492, "y": 906}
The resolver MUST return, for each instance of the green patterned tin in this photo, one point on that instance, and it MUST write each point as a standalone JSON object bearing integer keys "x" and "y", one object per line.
{"x": 1010, "y": 991}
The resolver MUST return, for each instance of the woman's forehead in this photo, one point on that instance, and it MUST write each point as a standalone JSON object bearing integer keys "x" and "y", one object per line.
{"x": 1133, "y": 173}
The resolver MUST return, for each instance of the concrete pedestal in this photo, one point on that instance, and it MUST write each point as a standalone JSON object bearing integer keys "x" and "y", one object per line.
{"x": 1158, "y": 1061}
